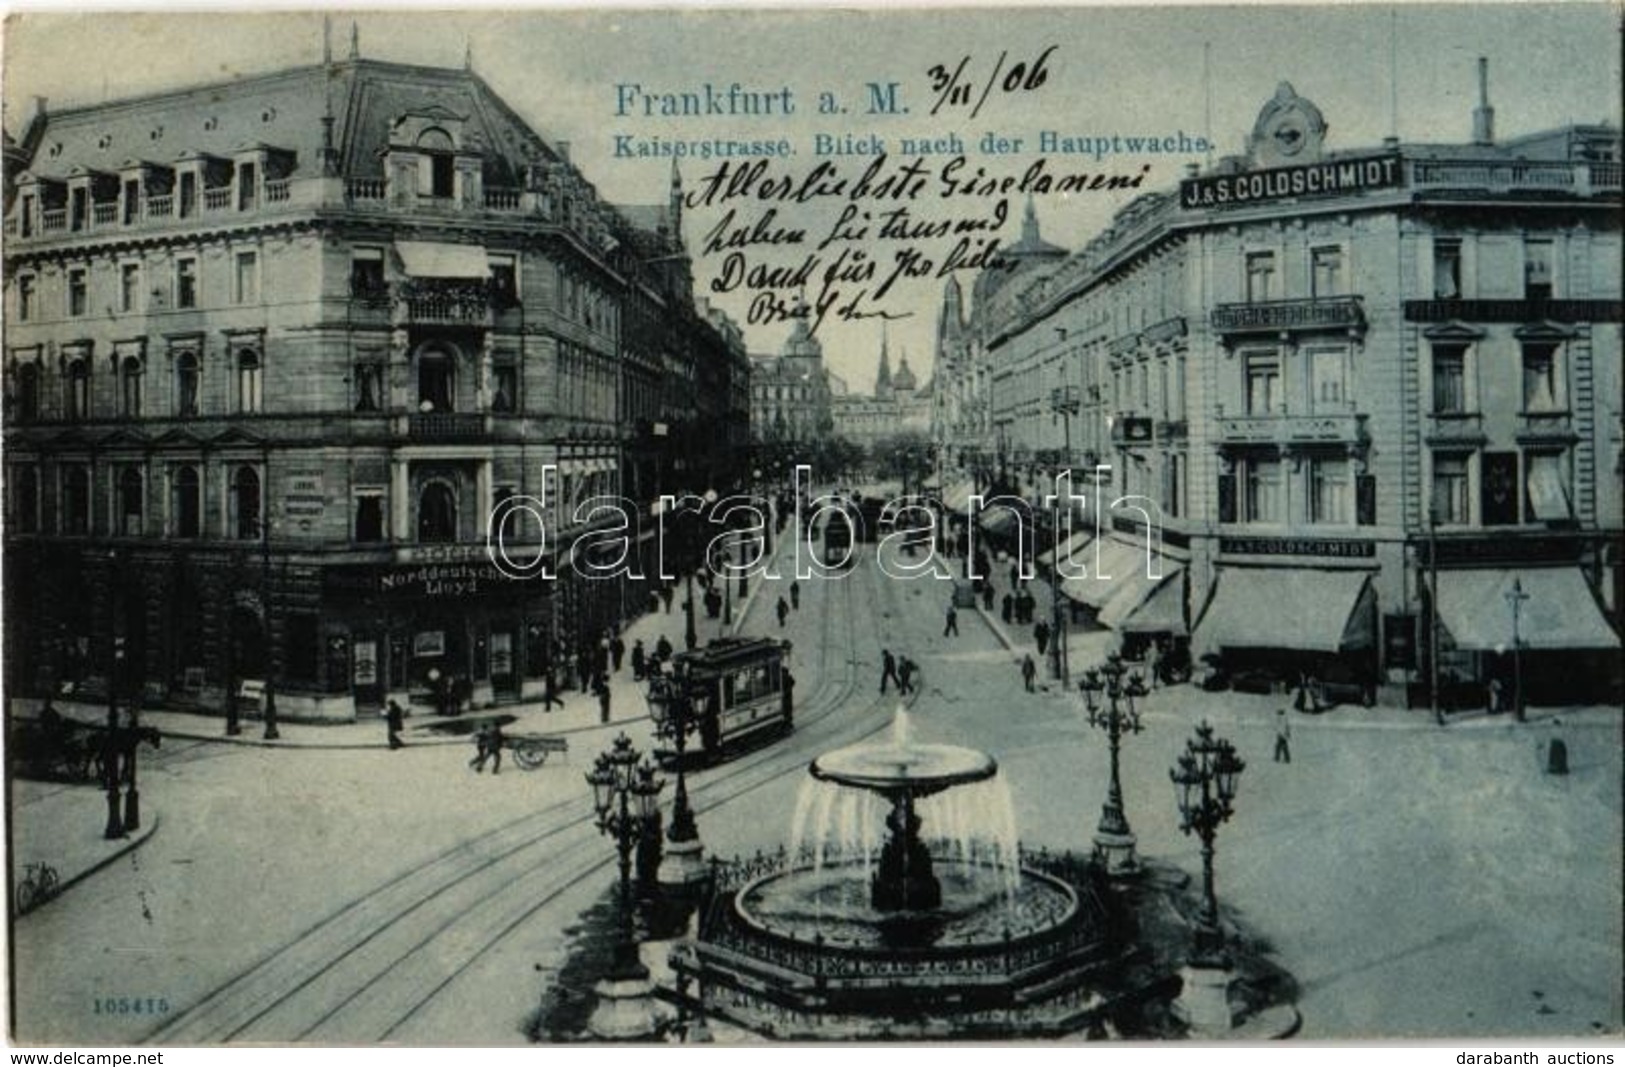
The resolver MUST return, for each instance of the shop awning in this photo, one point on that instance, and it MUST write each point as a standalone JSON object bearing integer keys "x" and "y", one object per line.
{"x": 957, "y": 496}
{"x": 1291, "y": 608}
{"x": 997, "y": 519}
{"x": 1115, "y": 571}
{"x": 1163, "y": 611}
{"x": 436, "y": 259}
{"x": 1070, "y": 549}
{"x": 1560, "y": 612}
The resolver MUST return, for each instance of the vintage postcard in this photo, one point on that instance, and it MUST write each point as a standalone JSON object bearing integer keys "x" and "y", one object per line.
{"x": 1019, "y": 524}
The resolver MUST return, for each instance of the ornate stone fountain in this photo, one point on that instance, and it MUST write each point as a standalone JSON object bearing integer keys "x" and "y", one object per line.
{"x": 901, "y": 908}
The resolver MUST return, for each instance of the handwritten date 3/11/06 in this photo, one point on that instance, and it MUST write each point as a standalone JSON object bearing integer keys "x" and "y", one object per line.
{"x": 957, "y": 88}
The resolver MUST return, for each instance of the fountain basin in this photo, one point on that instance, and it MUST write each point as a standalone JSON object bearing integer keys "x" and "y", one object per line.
{"x": 912, "y": 768}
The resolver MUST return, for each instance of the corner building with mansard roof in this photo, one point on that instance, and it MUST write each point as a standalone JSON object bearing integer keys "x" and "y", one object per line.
{"x": 1371, "y": 396}
{"x": 275, "y": 350}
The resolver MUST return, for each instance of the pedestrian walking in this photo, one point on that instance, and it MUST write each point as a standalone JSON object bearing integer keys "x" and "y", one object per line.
{"x": 787, "y": 693}
{"x": 783, "y": 610}
{"x": 640, "y": 660}
{"x": 1283, "y": 737}
{"x": 1008, "y": 607}
{"x": 1015, "y": 575}
{"x": 952, "y": 624}
{"x": 488, "y": 745}
{"x": 1029, "y": 671}
{"x": 1301, "y": 700}
{"x": 888, "y": 669}
{"x": 1494, "y": 691}
{"x": 1153, "y": 663}
{"x": 617, "y": 650}
{"x": 1041, "y": 636}
{"x": 987, "y": 596}
{"x": 662, "y": 649}
{"x": 550, "y": 691}
{"x": 795, "y": 595}
{"x": 392, "y": 724}
{"x": 602, "y": 689}
{"x": 905, "y": 675}
{"x": 665, "y": 596}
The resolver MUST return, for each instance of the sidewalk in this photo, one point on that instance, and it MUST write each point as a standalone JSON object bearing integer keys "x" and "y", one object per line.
{"x": 63, "y": 826}
{"x": 579, "y": 714}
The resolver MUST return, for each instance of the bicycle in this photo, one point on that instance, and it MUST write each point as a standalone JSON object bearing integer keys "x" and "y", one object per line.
{"x": 40, "y": 883}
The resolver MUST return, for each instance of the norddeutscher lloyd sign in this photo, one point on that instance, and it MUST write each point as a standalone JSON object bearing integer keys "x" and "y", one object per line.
{"x": 1317, "y": 179}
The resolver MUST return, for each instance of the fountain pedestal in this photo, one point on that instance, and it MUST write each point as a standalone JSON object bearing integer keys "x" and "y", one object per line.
{"x": 903, "y": 879}
{"x": 1204, "y": 1001}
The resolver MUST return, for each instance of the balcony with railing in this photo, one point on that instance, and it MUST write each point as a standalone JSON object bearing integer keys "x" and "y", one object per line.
{"x": 1288, "y": 316}
{"x": 447, "y": 426}
{"x": 1577, "y": 177}
{"x": 1287, "y": 431}
{"x": 448, "y": 304}
{"x": 1455, "y": 428}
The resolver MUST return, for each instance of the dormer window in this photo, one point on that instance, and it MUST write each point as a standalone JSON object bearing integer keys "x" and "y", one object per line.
{"x": 437, "y": 165}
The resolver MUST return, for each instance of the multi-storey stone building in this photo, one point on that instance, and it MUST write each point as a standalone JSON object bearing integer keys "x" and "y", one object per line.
{"x": 790, "y": 392}
{"x": 277, "y": 348}
{"x": 896, "y": 405}
{"x": 1345, "y": 379}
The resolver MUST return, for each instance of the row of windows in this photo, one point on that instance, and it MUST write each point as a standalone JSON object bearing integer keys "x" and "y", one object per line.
{"x": 79, "y": 300}
{"x": 248, "y": 387}
{"x": 1450, "y": 273}
{"x": 1544, "y": 381}
{"x": 1512, "y": 488}
{"x": 183, "y": 515}
{"x": 1328, "y": 274}
{"x": 1271, "y": 492}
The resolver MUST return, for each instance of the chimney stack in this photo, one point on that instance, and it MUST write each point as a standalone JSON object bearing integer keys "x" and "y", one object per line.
{"x": 1483, "y": 114}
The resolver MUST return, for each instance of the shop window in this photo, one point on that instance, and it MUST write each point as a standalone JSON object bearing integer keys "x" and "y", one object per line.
{"x": 1447, "y": 269}
{"x": 246, "y": 500}
{"x": 437, "y": 513}
{"x": 186, "y": 509}
{"x": 369, "y": 517}
{"x": 1546, "y": 487}
{"x": 303, "y": 647}
{"x": 78, "y": 390}
{"x": 76, "y": 499}
{"x": 1450, "y": 379}
{"x": 1542, "y": 379}
{"x": 250, "y": 382}
{"x": 1451, "y": 503}
{"x": 132, "y": 494}
{"x": 78, "y": 292}
{"x": 1260, "y": 277}
{"x": 1263, "y": 384}
{"x": 186, "y": 384}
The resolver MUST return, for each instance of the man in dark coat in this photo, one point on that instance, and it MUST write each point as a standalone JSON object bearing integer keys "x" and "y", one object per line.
{"x": 951, "y": 625}
{"x": 640, "y": 659}
{"x": 601, "y": 688}
{"x": 888, "y": 669}
{"x": 392, "y": 724}
{"x": 1041, "y": 636}
{"x": 905, "y": 675}
{"x": 987, "y": 596}
{"x": 1029, "y": 670}
{"x": 795, "y": 595}
{"x": 1008, "y": 608}
{"x": 617, "y": 650}
{"x": 783, "y": 610}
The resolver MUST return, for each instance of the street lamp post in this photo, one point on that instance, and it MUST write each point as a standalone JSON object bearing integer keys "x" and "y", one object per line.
{"x": 1063, "y": 402}
{"x": 115, "y": 669}
{"x": 1114, "y": 841}
{"x": 626, "y": 1009}
{"x": 671, "y": 703}
{"x": 132, "y": 796}
{"x": 1205, "y": 782}
{"x": 1516, "y": 597}
{"x": 271, "y": 731}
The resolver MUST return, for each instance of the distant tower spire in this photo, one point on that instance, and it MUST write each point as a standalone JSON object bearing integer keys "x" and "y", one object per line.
{"x": 883, "y": 377}
{"x": 355, "y": 41}
{"x": 1029, "y": 223}
{"x": 468, "y": 54}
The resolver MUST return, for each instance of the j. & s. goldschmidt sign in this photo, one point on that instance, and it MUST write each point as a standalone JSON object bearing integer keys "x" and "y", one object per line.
{"x": 1312, "y": 179}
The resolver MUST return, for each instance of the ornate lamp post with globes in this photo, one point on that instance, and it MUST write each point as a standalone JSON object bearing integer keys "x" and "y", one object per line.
{"x": 626, "y": 1008}
{"x": 671, "y": 704}
{"x": 1114, "y": 841}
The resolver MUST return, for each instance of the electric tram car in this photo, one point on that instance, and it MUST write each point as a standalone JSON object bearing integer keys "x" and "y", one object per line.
{"x": 736, "y": 696}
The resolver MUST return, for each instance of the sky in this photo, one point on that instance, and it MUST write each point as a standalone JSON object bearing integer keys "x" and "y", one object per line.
{"x": 1372, "y": 70}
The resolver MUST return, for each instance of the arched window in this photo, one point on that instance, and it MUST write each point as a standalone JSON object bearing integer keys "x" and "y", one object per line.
{"x": 186, "y": 510}
{"x": 249, "y": 382}
{"x": 437, "y": 513}
{"x": 245, "y": 503}
{"x": 131, "y": 501}
{"x": 77, "y": 405}
{"x": 25, "y": 500}
{"x": 130, "y": 387}
{"x": 28, "y": 392}
{"x": 186, "y": 384}
{"x": 76, "y": 500}
{"x": 437, "y": 380}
